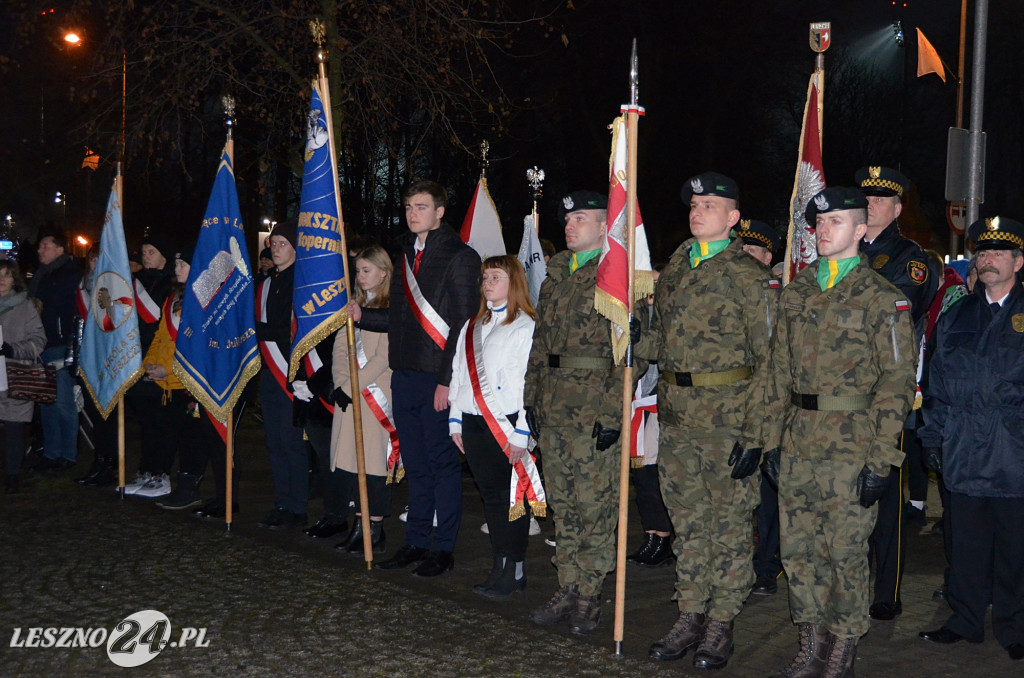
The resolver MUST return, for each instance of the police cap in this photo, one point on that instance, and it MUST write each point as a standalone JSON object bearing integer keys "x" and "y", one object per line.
{"x": 883, "y": 181}
{"x": 710, "y": 183}
{"x": 997, "y": 233}
{"x": 759, "y": 233}
{"x": 835, "y": 199}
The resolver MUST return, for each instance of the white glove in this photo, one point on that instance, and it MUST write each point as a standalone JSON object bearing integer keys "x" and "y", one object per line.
{"x": 302, "y": 391}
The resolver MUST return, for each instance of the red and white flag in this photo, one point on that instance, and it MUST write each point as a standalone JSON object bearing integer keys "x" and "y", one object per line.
{"x": 481, "y": 229}
{"x": 612, "y": 297}
{"x": 801, "y": 249}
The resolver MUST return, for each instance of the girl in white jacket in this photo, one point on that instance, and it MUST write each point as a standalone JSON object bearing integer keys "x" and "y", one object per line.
{"x": 486, "y": 419}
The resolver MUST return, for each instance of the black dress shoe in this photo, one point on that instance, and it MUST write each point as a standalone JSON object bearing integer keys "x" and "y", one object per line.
{"x": 404, "y": 557}
{"x": 886, "y": 611}
{"x": 766, "y": 585}
{"x": 214, "y": 509}
{"x": 1016, "y": 651}
{"x": 941, "y": 636}
{"x": 326, "y": 527}
{"x": 436, "y": 562}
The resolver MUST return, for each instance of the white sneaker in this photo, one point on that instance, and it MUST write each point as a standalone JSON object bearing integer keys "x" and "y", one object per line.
{"x": 534, "y": 527}
{"x": 550, "y": 542}
{"x": 140, "y": 480}
{"x": 158, "y": 486}
{"x": 485, "y": 529}
{"x": 404, "y": 516}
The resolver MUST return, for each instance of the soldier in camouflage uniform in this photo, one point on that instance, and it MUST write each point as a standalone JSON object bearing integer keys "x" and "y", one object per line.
{"x": 710, "y": 334}
{"x": 841, "y": 384}
{"x": 573, "y": 401}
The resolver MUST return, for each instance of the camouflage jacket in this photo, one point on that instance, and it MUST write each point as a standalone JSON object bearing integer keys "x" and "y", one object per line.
{"x": 854, "y": 339}
{"x": 713, "y": 318}
{"x": 568, "y": 325}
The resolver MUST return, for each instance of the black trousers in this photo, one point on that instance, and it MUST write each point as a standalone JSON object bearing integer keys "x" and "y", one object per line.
{"x": 653, "y": 515}
{"x": 917, "y": 474}
{"x": 767, "y": 561}
{"x": 144, "y": 399}
{"x": 493, "y": 475}
{"x": 987, "y": 567}
{"x": 888, "y": 542}
{"x": 378, "y": 492}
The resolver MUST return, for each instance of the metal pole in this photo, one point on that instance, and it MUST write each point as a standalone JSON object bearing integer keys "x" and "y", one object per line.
{"x": 974, "y": 164}
{"x": 954, "y": 240}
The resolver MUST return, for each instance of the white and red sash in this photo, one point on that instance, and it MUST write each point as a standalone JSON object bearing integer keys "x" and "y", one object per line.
{"x": 313, "y": 364}
{"x": 525, "y": 486}
{"x": 428, "y": 318}
{"x": 647, "y": 404}
{"x": 82, "y": 302}
{"x": 148, "y": 309}
{"x": 272, "y": 356}
{"x": 171, "y": 319}
{"x": 381, "y": 408}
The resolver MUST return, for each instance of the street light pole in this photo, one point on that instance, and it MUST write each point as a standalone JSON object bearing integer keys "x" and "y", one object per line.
{"x": 975, "y": 164}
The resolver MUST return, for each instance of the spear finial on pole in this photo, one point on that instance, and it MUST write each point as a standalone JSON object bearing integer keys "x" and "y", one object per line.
{"x": 634, "y": 77}
{"x": 535, "y": 177}
{"x": 485, "y": 147}
{"x": 319, "y": 31}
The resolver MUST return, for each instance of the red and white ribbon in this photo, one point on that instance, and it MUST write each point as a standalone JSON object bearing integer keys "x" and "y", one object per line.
{"x": 171, "y": 319}
{"x": 272, "y": 356}
{"x": 378, "y": 403}
{"x": 428, "y": 318}
{"x": 149, "y": 312}
{"x": 525, "y": 484}
{"x": 648, "y": 404}
{"x": 82, "y": 302}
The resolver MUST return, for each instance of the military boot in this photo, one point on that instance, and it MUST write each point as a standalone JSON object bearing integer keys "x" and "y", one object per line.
{"x": 587, "y": 616}
{"x": 561, "y": 606}
{"x": 840, "y": 658}
{"x": 655, "y": 552}
{"x": 686, "y": 633}
{"x": 716, "y": 648}
{"x": 815, "y": 643}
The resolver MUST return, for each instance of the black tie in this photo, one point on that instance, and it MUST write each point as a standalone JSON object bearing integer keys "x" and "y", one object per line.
{"x": 995, "y": 307}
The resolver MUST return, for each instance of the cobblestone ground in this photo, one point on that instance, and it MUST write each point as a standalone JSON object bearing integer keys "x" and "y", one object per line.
{"x": 279, "y": 604}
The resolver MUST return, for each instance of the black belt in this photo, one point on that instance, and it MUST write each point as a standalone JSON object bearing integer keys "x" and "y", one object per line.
{"x": 724, "y": 378}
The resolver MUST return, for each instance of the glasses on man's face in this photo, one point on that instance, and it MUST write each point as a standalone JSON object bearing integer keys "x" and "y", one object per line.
{"x": 493, "y": 279}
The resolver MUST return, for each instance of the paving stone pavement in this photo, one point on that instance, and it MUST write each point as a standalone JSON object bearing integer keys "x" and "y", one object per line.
{"x": 280, "y": 604}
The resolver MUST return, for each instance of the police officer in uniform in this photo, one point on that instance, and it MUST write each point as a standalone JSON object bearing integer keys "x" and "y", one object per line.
{"x": 762, "y": 242}
{"x": 903, "y": 263}
{"x": 843, "y": 364}
{"x": 574, "y": 408}
{"x": 709, "y": 333}
{"x": 974, "y": 408}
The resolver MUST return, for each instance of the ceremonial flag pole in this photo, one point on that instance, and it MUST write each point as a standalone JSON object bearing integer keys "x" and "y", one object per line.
{"x": 633, "y": 112}
{"x": 801, "y": 248}
{"x": 531, "y": 255}
{"x": 325, "y": 313}
{"x": 111, "y": 359}
{"x": 215, "y": 348}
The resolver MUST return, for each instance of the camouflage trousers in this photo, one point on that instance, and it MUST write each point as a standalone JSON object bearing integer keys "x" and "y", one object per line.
{"x": 712, "y": 515}
{"x": 582, "y": 490}
{"x": 824, "y": 542}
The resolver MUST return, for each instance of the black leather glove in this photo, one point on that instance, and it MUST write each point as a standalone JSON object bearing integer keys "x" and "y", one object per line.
{"x": 770, "y": 467}
{"x": 341, "y": 399}
{"x": 634, "y": 330}
{"x": 932, "y": 457}
{"x": 6, "y": 350}
{"x": 532, "y": 423}
{"x": 743, "y": 461}
{"x": 606, "y": 437}
{"x": 870, "y": 487}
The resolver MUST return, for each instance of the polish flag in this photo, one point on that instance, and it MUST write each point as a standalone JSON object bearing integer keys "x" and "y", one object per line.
{"x": 481, "y": 229}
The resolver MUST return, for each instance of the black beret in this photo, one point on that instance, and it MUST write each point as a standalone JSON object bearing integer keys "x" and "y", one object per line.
{"x": 997, "y": 233}
{"x": 710, "y": 183}
{"x": 834, "y": 199}
{"x": 883, "y": 181}
{"x": 583, "y": 200}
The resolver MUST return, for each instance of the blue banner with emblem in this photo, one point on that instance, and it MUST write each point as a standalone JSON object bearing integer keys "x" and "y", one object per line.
{"x": 216, "y": 352}
{"x": 320, "y": 296}
{"x": 111, "y": 358}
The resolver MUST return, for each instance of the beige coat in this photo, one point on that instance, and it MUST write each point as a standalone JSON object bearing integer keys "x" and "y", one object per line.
{"x": 375, "y": 438}
{"x": 23, "y": 330}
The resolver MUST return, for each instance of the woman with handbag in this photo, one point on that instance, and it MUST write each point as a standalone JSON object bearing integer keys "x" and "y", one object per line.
{"x": 23, "y": 339}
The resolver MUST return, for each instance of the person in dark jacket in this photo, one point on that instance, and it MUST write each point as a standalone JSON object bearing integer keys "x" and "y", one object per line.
{"x": 903, "y": 263}
{"x": 54, "y": 285}
{"x": 441, "y": 275}
{"x": 973, "y": 412}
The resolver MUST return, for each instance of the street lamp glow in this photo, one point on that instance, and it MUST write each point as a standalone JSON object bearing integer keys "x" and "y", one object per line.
{"x": 82, "y": 241}
{"x": 58, "y": 198}
{"x": 72, "y": 38}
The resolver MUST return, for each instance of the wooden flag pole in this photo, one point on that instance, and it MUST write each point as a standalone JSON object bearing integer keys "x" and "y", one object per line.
{"x": 318, "y": 30}
{"x": 229, "y": 436}
{"x": 626, "y": 435}
{"x": 120, "y": 445}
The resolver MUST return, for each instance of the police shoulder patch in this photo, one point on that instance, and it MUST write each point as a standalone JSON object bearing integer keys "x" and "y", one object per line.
{"x": 1018, "y": 322}
{"x": 918, "y": 271}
